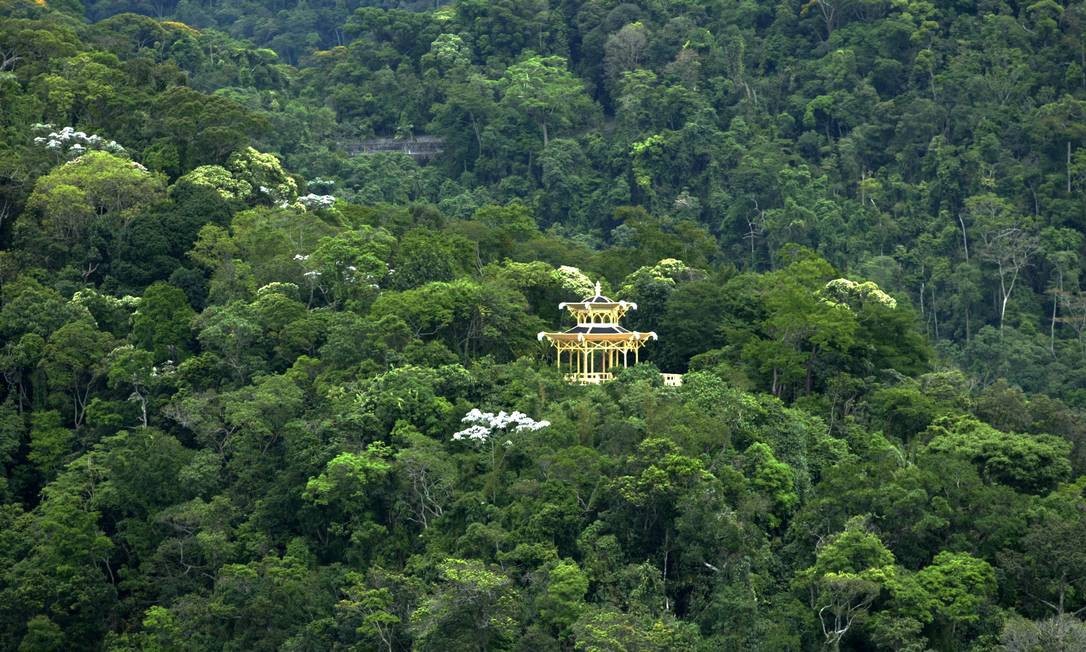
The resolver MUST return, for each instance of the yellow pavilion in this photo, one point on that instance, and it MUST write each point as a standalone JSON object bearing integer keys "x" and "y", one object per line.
{"x": 597, "y": 344}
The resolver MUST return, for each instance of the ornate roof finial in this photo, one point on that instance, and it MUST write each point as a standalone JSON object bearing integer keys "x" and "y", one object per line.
{"x": 599, "y": 290}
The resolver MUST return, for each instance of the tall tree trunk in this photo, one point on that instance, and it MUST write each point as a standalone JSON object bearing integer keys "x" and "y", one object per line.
{"x": 809, "y": 381}
{"x": 934, "y": 312}
{"x": 1005, "y": 289}
{"x": 143, "y": 408}
{"x": 965, "y": 240}
{"x": 1055, "y": 301}
{"x": 922, "y": 289}
{"x": 478, "y": 136}
{"x": 1052, "y": 326}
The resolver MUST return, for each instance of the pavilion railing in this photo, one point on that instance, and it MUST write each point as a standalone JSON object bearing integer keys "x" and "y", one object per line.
{"x": 596, "y": 378}
{"x": 586, "y": 378}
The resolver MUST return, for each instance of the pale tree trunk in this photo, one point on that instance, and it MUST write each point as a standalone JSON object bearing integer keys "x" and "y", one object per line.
{"x": 965, "y": 240}
{"x": 1010, "y": 249}
{"x": 143, "y": 407}
{"x": 923, "y": 290}
{"x": 1005, "y": 290}
{"x": 5, "y": 210}
{"x": 81, "y": 400}
{"x": 829, "y": 16}
{"x": 934, "y": 312}
{"x": 1052, "y": 323}
{"x": 1068, "y": 167}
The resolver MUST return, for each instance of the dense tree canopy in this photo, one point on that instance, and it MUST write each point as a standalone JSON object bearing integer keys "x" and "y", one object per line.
{"x": 271, "y": 275}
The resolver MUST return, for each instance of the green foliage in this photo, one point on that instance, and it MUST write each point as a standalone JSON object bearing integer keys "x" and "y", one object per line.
{"x": 263, "y": 175}
{"x": 958, "y": 585}
{"x": 162, "y": 323}
{"x": 563, "y": 600}
{"x": 471, "y": 608}
{"x": 42, "y": 634}
{"x": 773, "y": 478}
{"x": 849, "y": 572}
{"x": 50, "y": 443}
{"x": 609, "y": 630}
{"x": 1028, "y": 463}
{"x": 541, "y": 89}
{"x": 257, "y": 261}
{"x": 348, "y": 477}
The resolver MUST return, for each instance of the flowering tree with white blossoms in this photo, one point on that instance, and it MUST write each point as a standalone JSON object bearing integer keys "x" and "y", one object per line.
{"x": 70, "y": 142}
{"x": 313, "y": 200}
{"x": 487, "y": 429}
{"x": 485, "y": 423}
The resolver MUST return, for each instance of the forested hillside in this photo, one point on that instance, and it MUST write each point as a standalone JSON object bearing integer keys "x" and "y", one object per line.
{"x": 262, "y": 391}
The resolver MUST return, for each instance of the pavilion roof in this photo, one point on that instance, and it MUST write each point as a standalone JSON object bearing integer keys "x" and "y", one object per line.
{"x": 597, "y": 302}
{"x": 601, "y": 332}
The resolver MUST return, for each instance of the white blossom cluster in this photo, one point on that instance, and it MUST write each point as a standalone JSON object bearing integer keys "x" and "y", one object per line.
{"x": 313, "y": 200}
{"x": 72, "y": 142}
{"x": 351, "y": 275}
{"x": 167, "y": 369}
{"x": 310, "y": 275}
{"x": 485, "y": 423}
{"x": 843, "y": 292}
{"x": 322, "y": 182}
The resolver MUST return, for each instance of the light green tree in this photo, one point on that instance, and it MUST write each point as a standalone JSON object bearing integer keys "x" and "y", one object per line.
{"x": 542, "y": 88}
{"x": 849, "y": 572}
{"x": 472, "y": 608}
